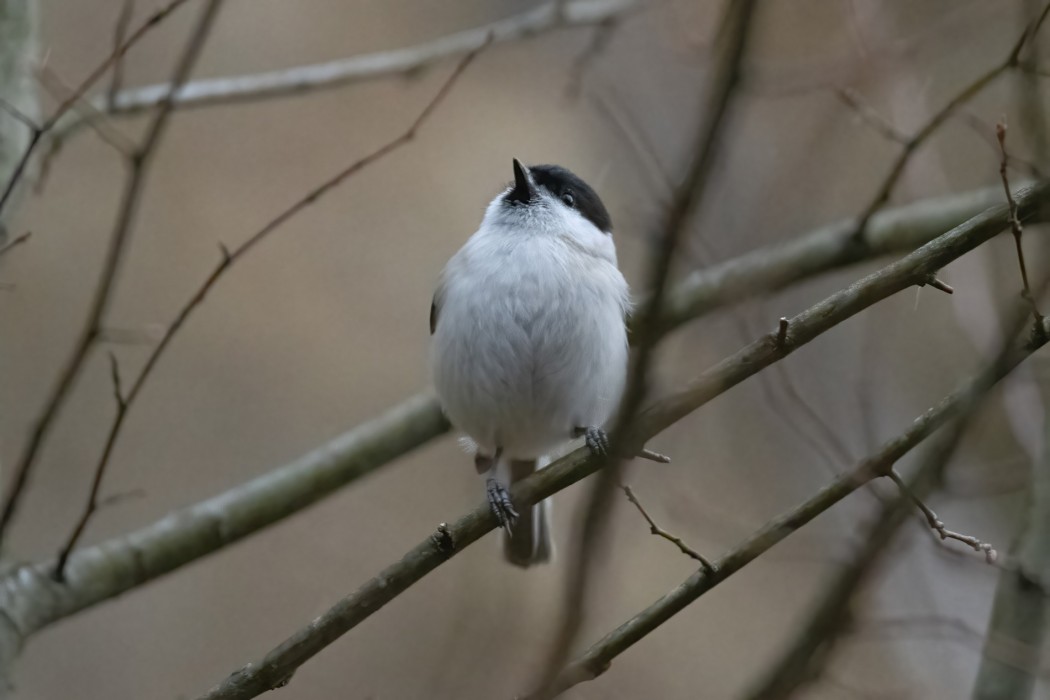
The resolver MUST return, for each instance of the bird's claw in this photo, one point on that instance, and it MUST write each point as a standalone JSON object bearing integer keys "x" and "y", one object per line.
{"x": 500, "y": 503}
{"x": 597, "y": 441}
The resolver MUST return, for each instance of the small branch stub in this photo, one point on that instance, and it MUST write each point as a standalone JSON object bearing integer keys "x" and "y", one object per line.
{"x": 442, "y": 539}
{"x": 937, "y": 283}
{"x": 782, "y": 333}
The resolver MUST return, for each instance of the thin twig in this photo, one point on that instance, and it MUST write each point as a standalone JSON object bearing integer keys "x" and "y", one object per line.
{"x": 281, "y": 662}
{"x": 228, "y": 258}
{"x": 136, "y": 180}
{"x": 935, "y": 523}
{"x": 733, "y": 32}
{"x": 93, "y": 503}
{"x": 852, "y": 99}
{"x": 986, "y": 132}
{"x": 19, "y": 115}
{"x": 119, "y": 33}
{"x": 1015, "y": 223}
{"x": 152, "y": 21}
{"x": 99, "y": 122}
{"x": 660, "y": 532}
{"x": 17, "y": 240}
{"x": 1012, "y": 61}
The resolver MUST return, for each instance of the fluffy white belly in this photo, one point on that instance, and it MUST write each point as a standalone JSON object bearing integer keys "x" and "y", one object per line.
{"x": 524, "y": 350}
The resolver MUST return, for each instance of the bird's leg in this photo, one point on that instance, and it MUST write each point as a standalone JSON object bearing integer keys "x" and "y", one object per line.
{"x": 499, "y": 497}
{"x": 597, "y": 441}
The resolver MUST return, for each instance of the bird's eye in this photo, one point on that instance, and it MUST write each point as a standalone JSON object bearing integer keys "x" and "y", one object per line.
{"x": 569, "y": 198}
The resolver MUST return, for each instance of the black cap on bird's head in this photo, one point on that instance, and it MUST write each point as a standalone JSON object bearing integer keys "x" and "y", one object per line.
{"x": 562, "y": 185}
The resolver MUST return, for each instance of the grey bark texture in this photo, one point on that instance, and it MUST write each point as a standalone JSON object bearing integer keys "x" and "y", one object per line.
{"x": 18, "y": 27}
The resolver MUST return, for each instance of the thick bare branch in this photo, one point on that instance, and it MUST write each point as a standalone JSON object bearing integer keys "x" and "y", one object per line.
{"x": 278, "y": 665}
{"x": 373, "y": 66}
{"x": 102, "y": 572}
{"x": 597, "y": 659}
{"x": 768, "y": 269}
{"x": 809, "y": 653}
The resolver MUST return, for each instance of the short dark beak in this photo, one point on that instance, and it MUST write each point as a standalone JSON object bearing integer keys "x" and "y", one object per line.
{"x": 522, "y": 192}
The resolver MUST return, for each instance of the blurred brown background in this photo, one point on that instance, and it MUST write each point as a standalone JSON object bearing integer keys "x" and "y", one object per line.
{"x": 324, "y": 326}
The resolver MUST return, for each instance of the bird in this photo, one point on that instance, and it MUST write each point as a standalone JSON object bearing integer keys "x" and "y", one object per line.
{"x": 529, "y": 345}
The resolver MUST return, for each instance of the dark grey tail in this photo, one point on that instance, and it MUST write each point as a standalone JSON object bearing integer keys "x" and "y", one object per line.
{"x": 530, "y": 539}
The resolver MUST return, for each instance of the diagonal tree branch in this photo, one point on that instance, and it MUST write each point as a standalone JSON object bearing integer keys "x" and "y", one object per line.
{"x": 733, "y": 33}
{"x": 772, "y": 268}
{"x": 373, "y": 66}
{"x": 30, "y": 600}
{"x": 597, "y": 659}
{"x": 278, "y": 665}
{"x": 227, "y": 260}
{"x": 126, "y": 214}
{"x": 809, "y": 653}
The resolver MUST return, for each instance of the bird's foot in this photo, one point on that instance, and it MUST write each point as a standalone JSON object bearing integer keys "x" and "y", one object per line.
{"x": 500, "y": 503}
{"x": 596, "y": 439}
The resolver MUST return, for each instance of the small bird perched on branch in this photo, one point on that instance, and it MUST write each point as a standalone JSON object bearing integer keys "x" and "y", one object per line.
{"x": 529, "y": 346}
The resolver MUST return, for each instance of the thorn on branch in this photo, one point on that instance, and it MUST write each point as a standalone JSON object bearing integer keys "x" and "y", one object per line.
{"x": 660, "y": 532}
{"x": 938, "y": 526}
{"x": 937, "y": 283}
{"x": 653, "y": 456}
